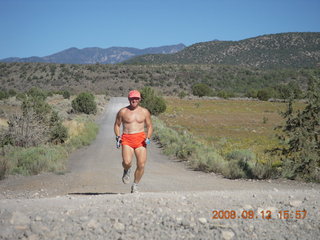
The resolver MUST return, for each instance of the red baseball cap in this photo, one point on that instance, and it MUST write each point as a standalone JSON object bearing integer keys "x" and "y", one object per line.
{"x": 134, "y": 94}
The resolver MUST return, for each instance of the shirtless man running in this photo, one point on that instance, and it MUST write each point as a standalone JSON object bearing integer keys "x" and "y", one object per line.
{"x": 134, "y": 140}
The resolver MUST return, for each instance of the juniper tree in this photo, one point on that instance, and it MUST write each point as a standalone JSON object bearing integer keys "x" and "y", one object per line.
{"x": 152, "y": 101}
{"x": 301, "y": 136}
{"x": 85, "y": 103}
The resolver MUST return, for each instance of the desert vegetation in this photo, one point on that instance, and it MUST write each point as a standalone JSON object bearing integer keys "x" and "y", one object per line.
{"x": 238, "y": 138}
{"x": 39, "y": 129}
{"x": 171, "y": 79}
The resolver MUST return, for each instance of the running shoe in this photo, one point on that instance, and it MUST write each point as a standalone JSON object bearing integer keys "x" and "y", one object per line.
{"x": 134, "y": 188}
{"x": 126, "y": 176}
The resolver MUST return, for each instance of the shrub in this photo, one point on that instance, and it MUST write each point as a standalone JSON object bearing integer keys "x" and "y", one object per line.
{"x": 34, "y": 160}
{"x": 66, "y": 94}
{"x": 3, "y": 95}
{"x": 27, "y": 130}
{"x": 37, "y": 105}
{"x": 151, "y": 101}
{"x": 251, "y": 93}
{"x": 4, "y": 167}
{"x": 184, "y": 146}
{"x": 287, "y": 91}
{"x": 84, "y": 103}
{"x": 240, "y": 164}
{"x": 20, "y": 96}
{"x": 37, "y": 125}
{"x": 225, "y": 94}
{"x": 300, "y": 136}
{"x": 182, "y": 95}
{"x": 58, "y": 133}
{"x": 201, "y": 89}
{"x": 87, "y": 135}
{"x": 244, "y": 155}
{"x": 37, "y": 93}
{"x": 12, "y": 93}
{"x": 265, "y": 94}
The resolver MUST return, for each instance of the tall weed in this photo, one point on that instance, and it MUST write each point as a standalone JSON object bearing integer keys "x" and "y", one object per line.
{"x": 34, "y": 160}
{"x": 4, "y": 167}
{"x": 85, "y": 137}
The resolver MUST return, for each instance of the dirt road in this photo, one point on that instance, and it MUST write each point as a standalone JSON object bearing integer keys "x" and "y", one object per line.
{"x": 90, "y": 201}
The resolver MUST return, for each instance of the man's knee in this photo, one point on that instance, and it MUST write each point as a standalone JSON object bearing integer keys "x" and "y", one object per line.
{"x": 126, "y": 163}
{"x": 140, "y": 165}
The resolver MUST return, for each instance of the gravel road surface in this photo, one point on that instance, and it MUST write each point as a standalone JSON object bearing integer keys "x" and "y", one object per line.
{"x": 90, "y": 201}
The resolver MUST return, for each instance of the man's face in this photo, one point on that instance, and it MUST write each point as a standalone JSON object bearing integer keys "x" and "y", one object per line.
{"x": 134, "y": 102}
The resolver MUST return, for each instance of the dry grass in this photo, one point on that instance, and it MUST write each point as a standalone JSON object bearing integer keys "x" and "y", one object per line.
{"x": 9, "y": 106}
{"x": 74, "y": 128}
{"x": 228, "y": 125}
{"x": 3, "y": 122}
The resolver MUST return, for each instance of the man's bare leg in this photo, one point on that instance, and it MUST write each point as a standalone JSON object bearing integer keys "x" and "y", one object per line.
{"x": 127, "y": 154}
{"x": 141, "y": 155}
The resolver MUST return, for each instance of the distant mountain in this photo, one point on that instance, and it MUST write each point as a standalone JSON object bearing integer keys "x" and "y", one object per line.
{"x": 98, "y": 55}
{"x": 268, "y": 51}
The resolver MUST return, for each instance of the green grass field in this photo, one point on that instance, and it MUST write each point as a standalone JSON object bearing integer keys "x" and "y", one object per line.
{"x": 228, "y": 125}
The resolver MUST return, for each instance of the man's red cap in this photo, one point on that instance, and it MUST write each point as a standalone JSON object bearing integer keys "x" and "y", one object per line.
{"x": 134, "y": 94}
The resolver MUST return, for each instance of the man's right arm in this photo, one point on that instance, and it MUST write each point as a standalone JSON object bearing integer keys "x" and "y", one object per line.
{"x": 117, "y": 124}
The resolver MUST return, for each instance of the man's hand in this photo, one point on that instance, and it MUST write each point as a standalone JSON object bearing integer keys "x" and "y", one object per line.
{"x": 118, "y": 141}
{"x": 147, "y": 141}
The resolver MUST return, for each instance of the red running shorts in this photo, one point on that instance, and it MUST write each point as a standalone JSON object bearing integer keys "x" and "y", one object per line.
{"x": 134, "y": 140}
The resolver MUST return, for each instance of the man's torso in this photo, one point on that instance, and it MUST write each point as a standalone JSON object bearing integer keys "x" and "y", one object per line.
{"x": 133, "y": 120}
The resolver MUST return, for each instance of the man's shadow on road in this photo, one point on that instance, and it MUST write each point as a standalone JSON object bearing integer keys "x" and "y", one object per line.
{"x": 94, "y": 193}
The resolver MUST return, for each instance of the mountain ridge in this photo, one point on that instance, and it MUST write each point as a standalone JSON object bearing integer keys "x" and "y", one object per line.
{"x": 280, "y": 50}
{"x": 92, "y": 55}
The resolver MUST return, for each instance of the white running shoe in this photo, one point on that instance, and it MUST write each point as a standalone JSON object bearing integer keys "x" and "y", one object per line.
{"x": 134, "y": 188}
{"x": 126, "y": 176}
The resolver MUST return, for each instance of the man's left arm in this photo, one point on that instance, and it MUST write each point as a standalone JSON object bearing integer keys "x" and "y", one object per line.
{"x": 148, "y": 124}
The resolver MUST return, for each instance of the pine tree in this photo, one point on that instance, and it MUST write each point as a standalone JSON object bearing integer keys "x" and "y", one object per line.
{"x": 301, "y": 135}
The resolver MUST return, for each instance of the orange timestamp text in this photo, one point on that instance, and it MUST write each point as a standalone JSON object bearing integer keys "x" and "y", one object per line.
{"x": 264, "y": 214}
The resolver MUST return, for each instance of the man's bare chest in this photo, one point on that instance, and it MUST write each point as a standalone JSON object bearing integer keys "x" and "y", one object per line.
{"x": 133, "y": 117}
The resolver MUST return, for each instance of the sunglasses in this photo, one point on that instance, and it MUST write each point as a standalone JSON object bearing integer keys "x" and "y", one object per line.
{"x": 134, "y": 98}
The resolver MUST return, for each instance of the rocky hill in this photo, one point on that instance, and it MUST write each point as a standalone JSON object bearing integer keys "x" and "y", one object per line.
{"x": 281, "y": 50}
{"x": 98, "y": 55}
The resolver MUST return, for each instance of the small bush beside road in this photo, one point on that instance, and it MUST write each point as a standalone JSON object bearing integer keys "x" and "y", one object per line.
{"x": 85, "y": 103}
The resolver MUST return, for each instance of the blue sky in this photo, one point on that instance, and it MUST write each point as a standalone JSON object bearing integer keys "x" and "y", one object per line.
{"x": 43, "y": 27}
